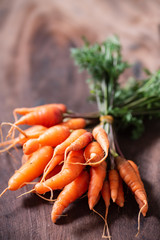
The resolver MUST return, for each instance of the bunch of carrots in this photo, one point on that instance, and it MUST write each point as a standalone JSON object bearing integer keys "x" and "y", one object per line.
{"x": 64, "y": 155}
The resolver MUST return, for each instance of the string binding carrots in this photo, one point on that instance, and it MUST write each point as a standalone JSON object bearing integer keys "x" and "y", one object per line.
{"x": 65, "y": 156}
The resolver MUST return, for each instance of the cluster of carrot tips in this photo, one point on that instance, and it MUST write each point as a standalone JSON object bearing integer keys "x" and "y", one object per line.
{"x": 65, "y": 156}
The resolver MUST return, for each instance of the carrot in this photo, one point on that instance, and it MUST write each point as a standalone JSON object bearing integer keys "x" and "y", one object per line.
{"x": 69, "y": 194}
{"x": 60, "y": 149}
{"x": 69, "y": 172}
{"x": 114, "y": 183}
{"x": 140, "y": 203}
{"x": 53, "y": 172}
{"x": 55, "y": 160}
{"x": 79, "y": 143}
{"x": 130, "y": 177}
{"x": 46, "y": 116}
{"x": 30, "y": 170}
{"x": 53, "y": 136}
{"x": 120, "y": 196}
{"x": 136, "y": 170}
{"x": 101, "y": 137}
{"x": 106, "y": 195}
{"x": 97, "y": 176}
{"x": 23, "y": 111}
{"x": 25, "y": 135}
{"x": 75, "y": 123}
{"x": 93, "y": 153}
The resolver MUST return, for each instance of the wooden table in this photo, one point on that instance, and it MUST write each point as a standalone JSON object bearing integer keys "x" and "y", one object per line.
{"x": 36, "y": 68}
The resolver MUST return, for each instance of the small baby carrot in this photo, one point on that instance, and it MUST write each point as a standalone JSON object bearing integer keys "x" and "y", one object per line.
{"x": 69, "y": 172}
{"x": 120, "y": 196}
{"x": 75, "y": 123}
{"x": 101, "y": 137}
{"x": 114, "y": 183}
{"x": 106, "y": 195}
{"x": 69, "y": 194}
{"x": 130, "y": 177}
{"x": 30, "y": 170}
{"x": 24, "y": 111}
{"x": 53, "y": 136}
{"x": 140, "y": 203}
{"x": 97, "y": 176}
{"x": 46, "y": 116}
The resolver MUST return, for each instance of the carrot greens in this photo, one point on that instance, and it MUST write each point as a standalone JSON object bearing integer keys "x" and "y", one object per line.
{"x": 129, "y": 105}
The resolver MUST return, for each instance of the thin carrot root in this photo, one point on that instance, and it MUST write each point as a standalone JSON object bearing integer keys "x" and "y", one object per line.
{"x": 30, "y": 191}
{"x": 98, "y": 162}
{"x": 139, "y": 214}
{"x": 13, "y": 126}
{"x": 5, "y": 190}
{"x": 105, "y": 225}
{"x": 46, "y": 199}
{"x": 2, "y": 144}
{"x": 106, "y": 228}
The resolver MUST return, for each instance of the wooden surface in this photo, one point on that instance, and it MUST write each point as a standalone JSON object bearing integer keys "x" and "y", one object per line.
{"x": 36, "y": 68}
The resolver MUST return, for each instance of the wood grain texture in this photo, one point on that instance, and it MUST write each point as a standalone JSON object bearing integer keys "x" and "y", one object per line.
{"x": 36, "y": 68}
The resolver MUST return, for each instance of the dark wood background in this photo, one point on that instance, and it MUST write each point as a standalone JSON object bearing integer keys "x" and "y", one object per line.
{"x": 36, "y": 68}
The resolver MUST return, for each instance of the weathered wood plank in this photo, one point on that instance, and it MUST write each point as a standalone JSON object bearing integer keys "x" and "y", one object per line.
{"x": 36, "y": 68}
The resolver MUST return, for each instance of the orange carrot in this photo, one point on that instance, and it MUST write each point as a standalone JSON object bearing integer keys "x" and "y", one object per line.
{"x": 93, "y": 152}
{"x": 140, "y": 203}
{"x": 69, "y": 194}
{"x": 136, "y": 170}
{"x": 23, "y": 111}
{"x": 97, "y": 176}
{"x": 101, "y": 137}
{"x": 30, "y": 170}
{"x": 120, "y": 196}
{"x": 75, "y": 123}
{"x": 60, "y": 149}
{"x": 130, "y": 177}
{"x": 69, "y": 172}
{"x": 55, "y": 160}
{"x": 79, "y": 143}
{"x": 53, "y": 136}
{"x": 106, "y": 195}
{"x": 46, "y": 116}
{"x": 53, "y": 172}
{"x": 114, "y": 183}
